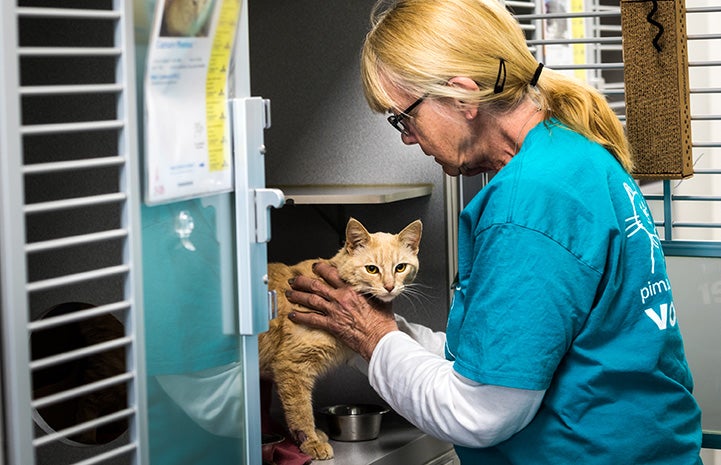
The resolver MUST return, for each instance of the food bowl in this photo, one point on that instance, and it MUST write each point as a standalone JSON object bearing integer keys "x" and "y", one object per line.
{"x": 354, "y": 422}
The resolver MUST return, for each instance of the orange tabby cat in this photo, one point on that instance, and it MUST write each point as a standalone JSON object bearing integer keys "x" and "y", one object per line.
{"x": 381, "y": 265}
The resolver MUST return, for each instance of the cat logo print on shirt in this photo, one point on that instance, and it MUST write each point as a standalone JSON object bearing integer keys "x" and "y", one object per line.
{"x": 642, "y": 222}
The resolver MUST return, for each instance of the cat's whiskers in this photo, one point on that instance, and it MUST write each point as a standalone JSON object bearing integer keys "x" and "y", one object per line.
{"x": 413, "y": 292}
{"x": 419, "y": 301}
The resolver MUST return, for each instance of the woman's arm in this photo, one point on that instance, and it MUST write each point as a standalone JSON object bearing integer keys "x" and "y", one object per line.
{"x": 433, "y": 341}
{"x": 425, "y": 389}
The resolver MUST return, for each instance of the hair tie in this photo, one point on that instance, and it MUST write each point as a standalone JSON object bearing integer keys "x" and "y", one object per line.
{"x": 501, "y": 78}
{"x": 536, "y": 75}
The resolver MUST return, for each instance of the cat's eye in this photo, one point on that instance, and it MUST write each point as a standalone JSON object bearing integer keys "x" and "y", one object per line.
{"x": 401, "y": 267}
{"x": 372, "y": 269}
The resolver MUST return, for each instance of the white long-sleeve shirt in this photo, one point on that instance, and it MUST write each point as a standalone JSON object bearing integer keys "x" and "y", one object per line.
{"x": 409, "y": 371}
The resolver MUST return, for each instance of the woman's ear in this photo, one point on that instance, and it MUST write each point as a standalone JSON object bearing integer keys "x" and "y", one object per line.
{"x": 470, "y": 85}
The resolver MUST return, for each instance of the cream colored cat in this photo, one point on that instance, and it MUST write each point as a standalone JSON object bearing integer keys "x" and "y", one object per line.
{"x": 381, "y": 265}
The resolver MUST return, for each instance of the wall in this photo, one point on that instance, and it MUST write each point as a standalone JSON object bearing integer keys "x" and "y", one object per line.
{"x": 305, "y": 59}
{"x": 696, "y": 283}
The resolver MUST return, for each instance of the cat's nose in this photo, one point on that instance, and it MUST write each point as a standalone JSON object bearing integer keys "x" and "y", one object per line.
{"x": 389, "y": 287}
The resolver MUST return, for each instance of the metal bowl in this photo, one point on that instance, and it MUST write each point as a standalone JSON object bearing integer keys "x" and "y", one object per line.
{"x": 358, "y": 422}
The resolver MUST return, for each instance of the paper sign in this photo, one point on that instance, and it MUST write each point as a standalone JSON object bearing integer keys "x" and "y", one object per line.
{"x": 187, "y": 132}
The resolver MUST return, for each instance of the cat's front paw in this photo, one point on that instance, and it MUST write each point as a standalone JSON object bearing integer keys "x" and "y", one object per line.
{"x": 321, "y": 435}
{"x": 318, "y": 449}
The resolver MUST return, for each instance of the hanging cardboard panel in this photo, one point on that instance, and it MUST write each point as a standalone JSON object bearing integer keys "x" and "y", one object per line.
{"x": 658, "y": 119}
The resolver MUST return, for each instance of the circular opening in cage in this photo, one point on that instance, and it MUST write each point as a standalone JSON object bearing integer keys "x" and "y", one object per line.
{"x": 79, "y": 372}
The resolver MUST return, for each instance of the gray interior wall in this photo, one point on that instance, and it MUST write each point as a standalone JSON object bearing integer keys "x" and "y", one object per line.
{"x": 696, "y": 283}
{"x": 305, "y": 59}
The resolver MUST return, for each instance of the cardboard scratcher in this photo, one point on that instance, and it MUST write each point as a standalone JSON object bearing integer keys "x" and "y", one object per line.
{"x": 658, "y": 118}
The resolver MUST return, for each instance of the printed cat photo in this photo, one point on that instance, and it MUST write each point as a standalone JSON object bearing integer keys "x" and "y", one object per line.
{"x": 381, "y": 265}
{"x": 186, "y": 18}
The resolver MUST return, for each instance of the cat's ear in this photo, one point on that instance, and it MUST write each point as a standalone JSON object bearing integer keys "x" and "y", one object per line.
{"x": 355, "y": 235}
{"x": 411, "y": 235}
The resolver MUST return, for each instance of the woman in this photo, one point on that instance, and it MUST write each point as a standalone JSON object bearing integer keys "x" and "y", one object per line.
{"x": 562, "y": 343}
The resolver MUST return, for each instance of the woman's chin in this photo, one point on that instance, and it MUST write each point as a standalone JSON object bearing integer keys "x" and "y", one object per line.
{"x": 451, "y": 171}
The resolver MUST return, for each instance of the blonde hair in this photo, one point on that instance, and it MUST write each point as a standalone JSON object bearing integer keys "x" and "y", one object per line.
{"x": 418, "y": 45}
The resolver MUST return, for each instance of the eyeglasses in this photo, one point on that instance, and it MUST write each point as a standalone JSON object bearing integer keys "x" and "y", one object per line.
{"x": 397, "y": 120}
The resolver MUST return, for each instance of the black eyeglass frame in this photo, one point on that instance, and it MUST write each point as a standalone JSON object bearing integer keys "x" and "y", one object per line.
{"x": 397, "y": 120}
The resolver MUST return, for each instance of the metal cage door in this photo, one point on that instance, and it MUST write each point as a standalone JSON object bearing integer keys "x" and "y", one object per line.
{"x": 72, "y": 358}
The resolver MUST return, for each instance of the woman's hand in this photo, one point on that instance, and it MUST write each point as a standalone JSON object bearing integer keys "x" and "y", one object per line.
{"x": 358, "y": 321}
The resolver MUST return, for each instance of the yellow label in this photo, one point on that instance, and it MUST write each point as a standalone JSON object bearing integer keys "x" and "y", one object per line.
{"x": 578, "y": 31}
{"x": 216, "y": 86}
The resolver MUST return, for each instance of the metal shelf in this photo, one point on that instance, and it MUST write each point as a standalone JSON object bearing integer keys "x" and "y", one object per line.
{"x": 352, "y": 194}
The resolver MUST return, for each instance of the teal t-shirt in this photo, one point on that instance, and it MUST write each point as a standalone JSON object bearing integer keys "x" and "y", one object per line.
{"x": 562, "y": 286}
